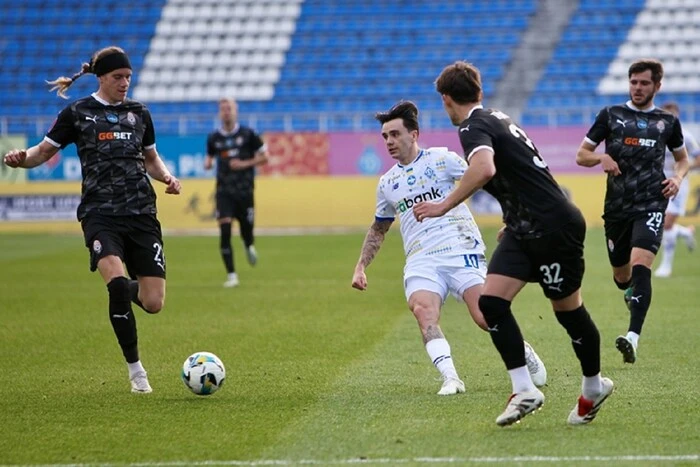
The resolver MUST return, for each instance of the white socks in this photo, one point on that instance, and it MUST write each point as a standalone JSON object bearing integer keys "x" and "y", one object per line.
{"x": 521, "y": 380}
{"x": 592, "y": 387}
{"x": 441, "y": 356}
{"x": 134, "y": 368}
{"x": 669, "y": 244}
{"x": 633, "y": 337}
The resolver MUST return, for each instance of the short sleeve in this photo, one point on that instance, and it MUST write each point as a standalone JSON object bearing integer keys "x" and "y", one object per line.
{"x": 63, "y": 131}
{"x": 600, "y": 129}
{"x": 385, "y": 210}
{"x": 149, "y": 133}
{"x": 211, "y": 150}
{"x": 256, "y": 142}
{"x": 456, "y": 166}
{"x": 474, "y": 136}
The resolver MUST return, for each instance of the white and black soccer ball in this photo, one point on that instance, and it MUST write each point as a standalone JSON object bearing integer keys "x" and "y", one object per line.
{"x": 203, "y": 373}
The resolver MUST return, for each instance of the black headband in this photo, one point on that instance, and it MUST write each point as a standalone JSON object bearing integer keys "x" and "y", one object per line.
{"x": 111, "y": 62}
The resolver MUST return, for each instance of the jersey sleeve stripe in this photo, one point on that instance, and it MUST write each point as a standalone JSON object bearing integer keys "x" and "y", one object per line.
{"x": 51, "y": 142}
{"x": 591, "y": 142}
{"x": 380, "y": 219}
{"x": 479, "y": 148}
{"x": 152, "y": 146}
{"x": 678, "y": 148}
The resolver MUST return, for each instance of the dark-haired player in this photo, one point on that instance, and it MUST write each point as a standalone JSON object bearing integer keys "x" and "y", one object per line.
{"x": 542, "y": 241}
{"x": 636, "y": 136}
{"x": 444, "y": 255}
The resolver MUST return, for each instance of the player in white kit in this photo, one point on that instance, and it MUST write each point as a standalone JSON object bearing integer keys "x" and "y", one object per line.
{"x": 676, "y": 206}
{"x": 444, "y": 254}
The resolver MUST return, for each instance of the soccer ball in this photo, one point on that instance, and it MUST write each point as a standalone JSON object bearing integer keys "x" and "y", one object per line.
{"x": 203, "y": 373}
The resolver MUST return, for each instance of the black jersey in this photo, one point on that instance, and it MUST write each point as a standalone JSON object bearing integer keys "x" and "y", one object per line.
{"x": 637, "y": 141}
{"x": 241, "y": 143}
{"x": 110, "y": 140}
{"x": 532, "y": 202}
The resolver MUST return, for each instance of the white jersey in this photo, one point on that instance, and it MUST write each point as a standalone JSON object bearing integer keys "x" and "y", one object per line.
{"x": 430, "y": 177}
{"x": 691, "y": 145}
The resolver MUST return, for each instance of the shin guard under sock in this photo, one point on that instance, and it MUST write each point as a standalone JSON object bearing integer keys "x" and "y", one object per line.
{"x": 122, "y": 318}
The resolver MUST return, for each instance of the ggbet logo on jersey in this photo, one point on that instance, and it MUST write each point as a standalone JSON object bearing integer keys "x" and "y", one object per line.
{"x": 407, "y": 203}
{"x": 112, "y": 135}
{"x": 649, "y": 143}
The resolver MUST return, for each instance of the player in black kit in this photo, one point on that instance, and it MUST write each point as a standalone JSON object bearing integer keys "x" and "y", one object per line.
{"x": 542, "y": 241}
{"x": 117, "y": 148}
{"x": 636, "y": 135}
{"x": 237, "y": 150}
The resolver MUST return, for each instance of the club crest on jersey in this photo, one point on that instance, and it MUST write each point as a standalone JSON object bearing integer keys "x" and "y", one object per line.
{"x": 131, "y": 118}
{"x": 429, "y": 172}
{"x": 411, "y": 180}
{"x": 611, "y": 245}
{"x": 96, "y": 246}
{"x": 660, "y": 125}
{"x": 642, "y": 124}
{"x": 111, "y": 118}
{"x": 239, "y": 141}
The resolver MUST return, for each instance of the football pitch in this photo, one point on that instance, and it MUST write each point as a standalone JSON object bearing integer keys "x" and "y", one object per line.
{"x": 319, "y": 373}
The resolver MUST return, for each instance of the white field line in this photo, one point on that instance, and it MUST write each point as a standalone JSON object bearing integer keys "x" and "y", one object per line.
{"x": 415, "y": 460}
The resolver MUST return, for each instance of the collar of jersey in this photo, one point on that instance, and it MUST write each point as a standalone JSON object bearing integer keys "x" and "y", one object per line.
{"x": 232, "y": 132}
{"x": 477, "y": 106}
{"x": 630, "y": 105}
{"x": 420, "y": 154}
{"x": 104, "y": 102}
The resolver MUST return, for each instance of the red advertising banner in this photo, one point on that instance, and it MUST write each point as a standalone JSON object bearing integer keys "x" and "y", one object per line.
{"x": 297, "y": 154}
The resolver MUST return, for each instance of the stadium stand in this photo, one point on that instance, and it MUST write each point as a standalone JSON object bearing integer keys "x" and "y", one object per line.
{"x": 330, "y": 64}
{"x": 589, "y": 66}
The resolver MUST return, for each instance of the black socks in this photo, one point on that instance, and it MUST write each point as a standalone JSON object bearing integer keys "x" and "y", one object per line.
{"x": 122, "y": 318}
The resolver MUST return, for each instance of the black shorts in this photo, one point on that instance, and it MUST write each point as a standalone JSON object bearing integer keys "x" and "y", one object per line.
{"x": 555, "y": 260}
{"x": 137, "y": 240}
{"x": 237, "y": 207}
{"x": 641, "y": 231}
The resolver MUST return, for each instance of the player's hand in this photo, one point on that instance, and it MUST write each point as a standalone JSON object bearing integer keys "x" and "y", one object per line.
{"x": 424, "y": 210}
{"x": 609, "y": 165}
{"x": 15, "y": 158}
{"x": 671, "y": 187}
{"x": 359, "y": 280}
{"x": 174, "y": 187}
{"x": 500, "y": 234}
{"x": 237, "y": 164}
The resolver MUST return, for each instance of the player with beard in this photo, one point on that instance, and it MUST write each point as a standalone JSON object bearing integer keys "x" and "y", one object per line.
{"x": 636, "y": 136}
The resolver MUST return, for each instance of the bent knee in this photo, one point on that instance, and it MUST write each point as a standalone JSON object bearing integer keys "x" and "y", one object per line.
{"x": 153, "y": 303}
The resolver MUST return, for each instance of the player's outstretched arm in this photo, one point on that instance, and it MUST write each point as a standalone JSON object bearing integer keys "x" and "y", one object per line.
{"x": 373, "y": 242}
{"x": 481, "y": 169}
{"x": 29, "y": 158}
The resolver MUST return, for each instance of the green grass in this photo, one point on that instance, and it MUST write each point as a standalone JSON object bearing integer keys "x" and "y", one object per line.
{"x": 317, "y": 371}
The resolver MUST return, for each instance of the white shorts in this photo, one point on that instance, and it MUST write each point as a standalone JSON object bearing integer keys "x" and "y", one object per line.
{"x": 677, "y": 205}
{"x": 441, "y": 275}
